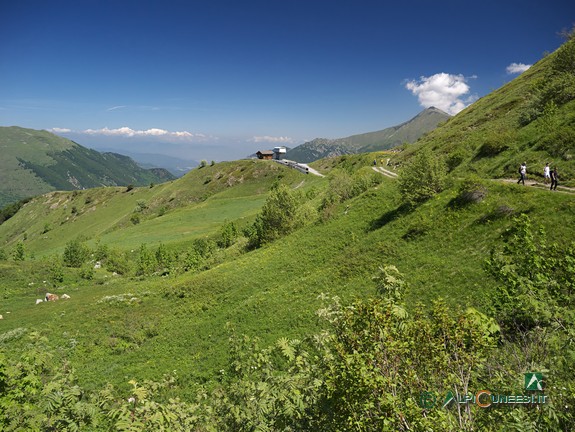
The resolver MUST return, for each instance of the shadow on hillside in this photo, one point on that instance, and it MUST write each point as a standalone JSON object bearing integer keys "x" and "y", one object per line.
{"x": 390, "y": 216}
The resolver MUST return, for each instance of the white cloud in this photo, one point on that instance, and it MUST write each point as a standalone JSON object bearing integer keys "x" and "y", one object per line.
{"x": 271, "y": 139}
{"x": 59, "y": 130}
{"x": 153, "y": 132}
{"x": 517, "y": 68}
{"x": 443, "y": 91}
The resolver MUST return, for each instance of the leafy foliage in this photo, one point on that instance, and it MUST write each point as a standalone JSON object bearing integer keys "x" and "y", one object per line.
{"x": 76, "y": 254}
{"x": 228, "y": 235}
{"x": 281, "y": 214}
{"x": 537, "y": 279}
{"x": 19, "y": 253}
{"x": 422, "y": 178}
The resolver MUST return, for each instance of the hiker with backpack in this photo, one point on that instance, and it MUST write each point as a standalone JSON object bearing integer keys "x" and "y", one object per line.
{"x": 522, "y": 173}
{"x": 554, "y": 179}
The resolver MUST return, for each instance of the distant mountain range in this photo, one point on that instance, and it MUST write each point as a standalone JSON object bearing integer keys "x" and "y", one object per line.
{"x": 34, "y": 162}
{"x": 409, "y": 132}
{"x": 177, "y": 166}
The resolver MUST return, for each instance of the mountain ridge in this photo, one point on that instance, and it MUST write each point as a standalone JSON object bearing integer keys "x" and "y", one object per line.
{"x": 36, "y": 161}
{"x": 408, "y": 131}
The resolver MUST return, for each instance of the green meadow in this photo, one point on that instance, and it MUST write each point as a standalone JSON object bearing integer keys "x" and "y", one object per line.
{"x": 249, "y": 296}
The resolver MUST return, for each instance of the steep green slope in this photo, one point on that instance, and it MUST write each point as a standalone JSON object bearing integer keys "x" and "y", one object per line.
{"x": 531, "y": 119}
{"x": 387, "y": 138}
{"x": 35, "y": 162}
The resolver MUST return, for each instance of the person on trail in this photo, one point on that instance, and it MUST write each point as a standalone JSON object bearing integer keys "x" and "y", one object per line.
{"x": 546, "y": 173}
{"x": 554, "y": 179}
{"x": 522, "y": 173}
{"x": 374, "y": 162}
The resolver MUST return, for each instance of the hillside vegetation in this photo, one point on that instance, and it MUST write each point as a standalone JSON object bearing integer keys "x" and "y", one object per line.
{"x": 248, "y": 296}
{"x": 34, "y": 162}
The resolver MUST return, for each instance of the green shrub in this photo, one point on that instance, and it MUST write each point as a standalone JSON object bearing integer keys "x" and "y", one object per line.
{"x": 537, "y": 279}
{"x": 147, "y": 263}
{"x": 56, "y": 274}
{"x": 135, "y": 218}
{"x": 192, "y": 260}
{"x": 19, "y": 254}
{"x": 76, "y": 254}
{"x": 422, "y": 178}
{"x": 279, "y": 216}
{"x": 228, "y": 235}
{"x": 118, "y": 261}
{"x": 165, "y": 258}
{"x": 101, "y": 251}
{"x": 140, "y": 206}
{"x": 162, "y": 211}
{"x": 87, "y": 272}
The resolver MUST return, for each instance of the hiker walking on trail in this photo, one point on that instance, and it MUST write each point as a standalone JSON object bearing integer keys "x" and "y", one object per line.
{"x": 546, "y": 173}
{"x": 522, "y": 173}
{"x": 554, "y": 179}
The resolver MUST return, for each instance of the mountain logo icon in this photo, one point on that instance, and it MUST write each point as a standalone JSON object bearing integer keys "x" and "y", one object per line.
{"x": 534, "y": 381}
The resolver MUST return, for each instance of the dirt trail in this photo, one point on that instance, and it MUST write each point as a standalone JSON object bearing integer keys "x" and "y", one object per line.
{"x": 385, "y": 172}
{"x": 537, "y": 184}
{"x": 534, "y": 183}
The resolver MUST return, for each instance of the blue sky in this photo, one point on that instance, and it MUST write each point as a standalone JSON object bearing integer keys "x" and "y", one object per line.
{"x": 221, "y": 79}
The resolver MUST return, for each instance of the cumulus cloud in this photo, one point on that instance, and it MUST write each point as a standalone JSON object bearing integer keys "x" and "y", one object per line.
{"x": 271, "y": 139}
{"x": 517, "y": 68}
{"x": 153, "y": 132}
{"x": 59, "y": 130}
{"x": 443, "y": 91}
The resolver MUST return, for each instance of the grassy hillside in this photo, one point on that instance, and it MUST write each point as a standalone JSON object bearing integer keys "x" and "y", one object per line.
{"x": 179, "y": 322}
{"x": 407, "y": 132}
{"x": 34, "y": 162}
{"x": 194, "y": 205}
{"x": 182, "y": 275}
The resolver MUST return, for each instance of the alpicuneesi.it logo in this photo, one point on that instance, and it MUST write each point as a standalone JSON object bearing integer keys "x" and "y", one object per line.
{"x": 534, "y": 382}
